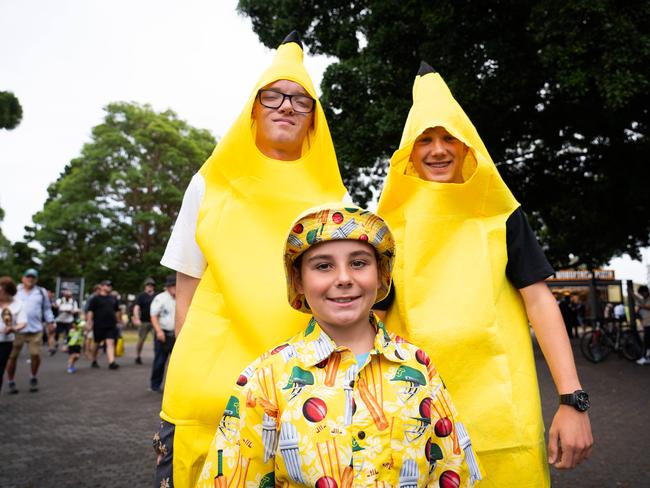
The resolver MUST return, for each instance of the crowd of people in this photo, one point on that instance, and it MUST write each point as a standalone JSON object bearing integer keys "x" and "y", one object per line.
{"x": 32, "y": 316}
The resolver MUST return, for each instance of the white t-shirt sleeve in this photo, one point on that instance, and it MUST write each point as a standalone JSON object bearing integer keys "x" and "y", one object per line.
{"x": 183, "y": 254}
{"x": 156, "y": 305}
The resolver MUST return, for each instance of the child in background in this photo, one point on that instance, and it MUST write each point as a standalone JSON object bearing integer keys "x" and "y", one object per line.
{"x": 75, "y": 341}
{"x": 344, "y": 402}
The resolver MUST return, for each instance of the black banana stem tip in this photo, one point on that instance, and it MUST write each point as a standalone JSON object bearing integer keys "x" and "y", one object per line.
{"x": 293, "y": 37}
{"x": 425, "y": 69}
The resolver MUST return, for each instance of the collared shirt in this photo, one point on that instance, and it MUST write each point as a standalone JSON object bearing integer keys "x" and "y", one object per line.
{"x": 163, "y": 306}
{"x": 38, "y": 307}
{"x": 306, "y": 414}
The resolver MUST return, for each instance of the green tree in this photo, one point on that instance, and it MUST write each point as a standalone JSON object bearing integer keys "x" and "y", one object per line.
{"x": 11, "y": 112}
{"x": 558, "y": 91}
{"x": 7, "y": 266}
{"x": 110, "y": 213}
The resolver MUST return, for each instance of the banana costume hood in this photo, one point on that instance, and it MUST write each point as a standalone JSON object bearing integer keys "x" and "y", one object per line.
{"x": 452, "y": 294}
{"x": 240, "y": 307}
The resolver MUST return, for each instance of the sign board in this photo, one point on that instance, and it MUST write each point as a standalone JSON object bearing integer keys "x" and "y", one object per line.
{"x": 75, "y": 285}
{"x": 579, "y": 274}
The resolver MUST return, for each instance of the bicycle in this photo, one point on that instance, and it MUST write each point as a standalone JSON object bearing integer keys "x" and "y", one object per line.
{"x": 598, "y": 343}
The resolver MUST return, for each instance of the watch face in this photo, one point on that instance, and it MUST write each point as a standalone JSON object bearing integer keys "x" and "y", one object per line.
{"x": 582, "y": 401}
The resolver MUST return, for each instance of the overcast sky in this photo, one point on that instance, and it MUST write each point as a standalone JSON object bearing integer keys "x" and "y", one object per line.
{"x": 66, "y": 59}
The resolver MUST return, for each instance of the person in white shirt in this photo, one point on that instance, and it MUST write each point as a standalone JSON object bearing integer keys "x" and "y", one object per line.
{"x": 163, "y": 309}
{"x": 12, "y": 318}
{"x": 619, "y": 312}
{"x": 67, "y": 309}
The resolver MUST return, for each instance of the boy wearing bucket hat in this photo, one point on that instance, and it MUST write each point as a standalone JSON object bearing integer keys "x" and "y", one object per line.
{"x": 468, "y": 259}
{"x": 344, "y": 402}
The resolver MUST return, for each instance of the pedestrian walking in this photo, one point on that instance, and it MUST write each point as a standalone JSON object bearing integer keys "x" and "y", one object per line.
{"x": 39, "y": 312}
{"x": 75, "y": 342}
{"x": 67, "y": 308}
{"x": 142, "y": 316}
{"x": 102, "y": 318}
{"x": 163, "y": 310}
{"x": 13, "y": 318}
{"x": 643, "y": 302}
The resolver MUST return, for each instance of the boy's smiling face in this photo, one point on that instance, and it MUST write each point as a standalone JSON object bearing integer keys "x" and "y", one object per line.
{"x": 438, "y": 156}
{"x": 339, "y": 279}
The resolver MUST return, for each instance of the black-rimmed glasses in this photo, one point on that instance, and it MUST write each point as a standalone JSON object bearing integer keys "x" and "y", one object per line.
{"x": 302, "y": 104}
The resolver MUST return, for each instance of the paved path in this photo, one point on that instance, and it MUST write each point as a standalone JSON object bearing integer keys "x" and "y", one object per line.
{"x": 93, "y": 429}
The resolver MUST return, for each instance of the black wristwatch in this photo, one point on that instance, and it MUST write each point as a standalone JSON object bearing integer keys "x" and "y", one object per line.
{"x": 579, "y": 400}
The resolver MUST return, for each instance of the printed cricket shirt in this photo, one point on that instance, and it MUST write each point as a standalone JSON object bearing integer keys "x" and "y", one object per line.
{"x": 306, "y": 414}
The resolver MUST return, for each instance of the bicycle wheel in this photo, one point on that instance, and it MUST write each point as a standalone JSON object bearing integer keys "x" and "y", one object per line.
{"x": 594, "y": 346}
{"x": 631, "y": 347}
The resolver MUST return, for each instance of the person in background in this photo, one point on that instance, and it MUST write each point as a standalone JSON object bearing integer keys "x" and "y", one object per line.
{"x": 643, "y": 302}
{"x": 142, "y": 317}
{"x": 39, "y": 311}
{"x": 67, "y": 309}
{"x": 163, "y": 310}
{"x": 102, "y": 318}
{"x": 619, "y": 313}
{"x": 50, "y": 329}
{"x": 75, "y": 342}
{"x": 13, "y": 318}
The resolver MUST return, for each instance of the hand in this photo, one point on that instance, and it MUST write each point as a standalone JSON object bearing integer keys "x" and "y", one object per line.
{"x": 160, "y": 335}
{"x": 569, "y": 439}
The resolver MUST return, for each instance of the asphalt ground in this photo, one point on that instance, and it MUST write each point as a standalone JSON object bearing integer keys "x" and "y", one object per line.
{"x": 94, "y": 428}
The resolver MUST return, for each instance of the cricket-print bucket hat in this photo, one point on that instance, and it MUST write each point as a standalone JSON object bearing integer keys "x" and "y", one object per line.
{"x": 335, "y": 221}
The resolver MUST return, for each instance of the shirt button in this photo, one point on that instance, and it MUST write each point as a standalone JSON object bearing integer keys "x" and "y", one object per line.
{"x": 352, "y": 384}
{"x": 361, "y": 435}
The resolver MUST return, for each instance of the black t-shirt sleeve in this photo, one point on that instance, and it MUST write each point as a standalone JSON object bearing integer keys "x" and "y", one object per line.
{"x": 386, "y": 302}
{"x": 527, "y": 263}
{"x": 92, "y": 303}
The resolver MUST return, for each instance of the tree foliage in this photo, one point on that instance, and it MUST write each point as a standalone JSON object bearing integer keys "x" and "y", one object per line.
{"x": 110, "y": 213}
{"x": 7, "y": 266}
{"x": 11, "y": 113}
{"x": 558, "y": 91}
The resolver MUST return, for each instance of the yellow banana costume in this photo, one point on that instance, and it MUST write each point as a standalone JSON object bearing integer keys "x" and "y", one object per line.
{"x": 240, "y": 307}
{"x": 452, "y": 294}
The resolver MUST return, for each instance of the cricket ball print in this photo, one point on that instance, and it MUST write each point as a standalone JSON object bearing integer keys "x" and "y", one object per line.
{"x": 443, "y": 427}
{"x": 326, "y": 482}
{"x": 425, "y": 408}
{"x": 449, "y": 479}
{"x": 422, "y": 357}
{"x": 314, "y": 410}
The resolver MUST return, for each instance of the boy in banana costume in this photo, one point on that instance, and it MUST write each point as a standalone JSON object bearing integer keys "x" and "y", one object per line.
{"x": 276, "y": 160}
{"x": 468, "y": 277}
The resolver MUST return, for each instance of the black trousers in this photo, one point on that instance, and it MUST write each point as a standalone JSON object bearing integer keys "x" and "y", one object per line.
{"x": 5, "y": 349}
